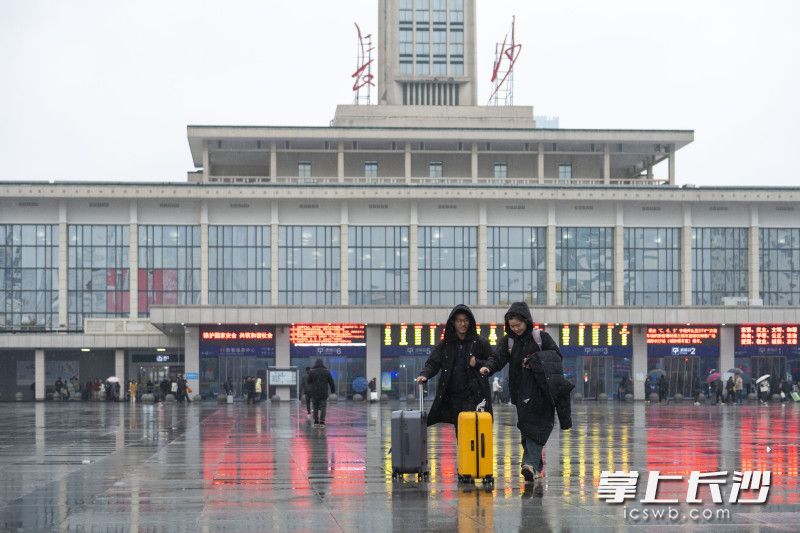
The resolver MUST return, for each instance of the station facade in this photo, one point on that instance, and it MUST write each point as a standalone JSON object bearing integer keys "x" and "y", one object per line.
{"x": 353, "y": 241}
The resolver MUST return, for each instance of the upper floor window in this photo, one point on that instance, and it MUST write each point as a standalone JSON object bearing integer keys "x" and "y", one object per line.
{"x": 501, "y": 170}
{"x": 370, "y": 169}
{"x": 564, "y": 172}
{"x": 435, "y": 169}
{"x": 304, "y": 169}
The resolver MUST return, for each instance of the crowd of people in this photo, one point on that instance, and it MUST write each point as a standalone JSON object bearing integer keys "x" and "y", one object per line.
{"x": 110, "y": 390}
{"x": 733, "y": 390}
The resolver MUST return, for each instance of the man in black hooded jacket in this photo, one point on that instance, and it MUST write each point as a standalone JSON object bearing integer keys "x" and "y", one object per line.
{"x": 458, "y": 357}
{"x": 319, "y": 379}
{"x": 537, "y": 383}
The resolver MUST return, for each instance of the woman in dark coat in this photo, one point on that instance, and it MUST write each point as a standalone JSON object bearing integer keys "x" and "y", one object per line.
{"x": 458, "y": 357}
{"x": 537, "y": 383}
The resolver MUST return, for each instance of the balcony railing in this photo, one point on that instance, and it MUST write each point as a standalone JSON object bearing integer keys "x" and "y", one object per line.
{"x": 427, "y": 181}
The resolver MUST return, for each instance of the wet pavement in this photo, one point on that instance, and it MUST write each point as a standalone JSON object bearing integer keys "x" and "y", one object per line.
{"x": 205, "y": 467}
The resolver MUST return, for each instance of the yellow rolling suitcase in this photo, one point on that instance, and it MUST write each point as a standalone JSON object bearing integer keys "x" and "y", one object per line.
{"x": 475, "y": 454}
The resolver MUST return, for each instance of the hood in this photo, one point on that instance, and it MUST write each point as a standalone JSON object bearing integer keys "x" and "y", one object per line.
{"x": 319, "y": 364}
{"x": 450, "y": 327}
{"x": 521, "y": 309}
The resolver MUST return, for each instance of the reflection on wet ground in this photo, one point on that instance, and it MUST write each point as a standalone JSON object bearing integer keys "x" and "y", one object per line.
{"x": 205, "y": 467}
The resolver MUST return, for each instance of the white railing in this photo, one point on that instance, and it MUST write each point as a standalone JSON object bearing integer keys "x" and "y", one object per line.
{"x": 427, "y": 181}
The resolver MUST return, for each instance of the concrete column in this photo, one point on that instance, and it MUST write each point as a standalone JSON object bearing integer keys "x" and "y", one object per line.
{"x": 639, "y": 366}
{"x": 413, "y": 258}
{"x": 671, "y": 164}
{"x": 344, "y": 257}
{"x": 282, "y": 357}
{"x": 551, "y": 256}
{"x": 374, "y": 355}
{"x": 63, "y": 266}
{"x": 754, "y": 254}
{"x": 204, "y": 253}
{"x": 273, "y": 253}
{"x": 726, "y": 348}
{"x": 119, "y": 369}
{"x": 606, "y": 164}
{"x": 407, "y": 163}
{"x": 474, "y": 162}
{"x": 686, "y": 257}
{"x": 540, "y": 163}
{"x": 340, "y": 162}
{"x": 133, "y": 262}
{"x": 273, "y": 161}
{"x": 649, "y": 168}
{"x": 39, "y": 374}
{"x": 483, "y": 253}
{"x": 191, "y": 356}
{"x": 619, "y": 259}
{"x": 206, "y": 162}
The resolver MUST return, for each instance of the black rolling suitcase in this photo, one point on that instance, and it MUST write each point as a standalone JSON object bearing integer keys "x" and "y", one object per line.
{"x": 410, "y": 442}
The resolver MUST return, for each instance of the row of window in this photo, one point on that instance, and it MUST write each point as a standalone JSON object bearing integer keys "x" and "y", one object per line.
{"x": 435, "y": 170}
{"x": 239, "y": 267}
{"x": 424, "y": 52}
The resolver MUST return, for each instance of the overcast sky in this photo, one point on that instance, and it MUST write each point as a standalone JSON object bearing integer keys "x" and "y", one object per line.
{"x": 93, "y": 89}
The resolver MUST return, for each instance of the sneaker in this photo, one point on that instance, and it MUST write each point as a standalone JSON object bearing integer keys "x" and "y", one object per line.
{"x": 322, "y": 424}
{"x": 528, "y": 473}
{"x": 538, "y": 484}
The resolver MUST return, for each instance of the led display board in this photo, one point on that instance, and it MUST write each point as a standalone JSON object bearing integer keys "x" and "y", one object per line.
{"x": 310, "y": 340}
{"x": 766, "y": 339}
{"x": 237, "y": 340}
{"x": 419, "y": 339}
{"x": 666, "y": 340}
{"x": 596, "y": 339}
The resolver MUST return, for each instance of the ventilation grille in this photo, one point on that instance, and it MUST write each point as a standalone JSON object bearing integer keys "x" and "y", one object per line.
{"x": 430, "y": 93}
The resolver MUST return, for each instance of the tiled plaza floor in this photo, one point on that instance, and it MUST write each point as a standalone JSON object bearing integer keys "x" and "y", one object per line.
{"x": 204, "y": 467}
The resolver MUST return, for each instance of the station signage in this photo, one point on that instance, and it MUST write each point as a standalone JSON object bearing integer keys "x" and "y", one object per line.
{"x": 666, "y": 340}
{"x": 323, "y": 340}
{"x": 244, "y": 340}
{"x": 596, "y": 339}
{"x": 156, "y": 358}
{"x": 766, "y": 339}
{"x": 419, "y": 339}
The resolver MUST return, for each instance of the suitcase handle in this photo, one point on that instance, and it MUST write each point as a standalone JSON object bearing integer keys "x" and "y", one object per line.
{"x": 421, "y": 397}
{"x": 483, "y": 445}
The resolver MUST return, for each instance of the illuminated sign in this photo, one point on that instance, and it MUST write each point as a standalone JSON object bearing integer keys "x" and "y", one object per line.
{"x": 596, "y": 339}
{"x": 665, "y": 340}
{"x": 309, "y": 340}
{"x": 766, "y": 339}
{"x": 237, "y": 340}
{"x": 282, "y": 376}
{"x": 419, "y": 339}
{"x": 156, "y": 358}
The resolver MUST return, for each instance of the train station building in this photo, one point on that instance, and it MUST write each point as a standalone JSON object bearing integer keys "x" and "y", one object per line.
{"x": 352, "y": 241}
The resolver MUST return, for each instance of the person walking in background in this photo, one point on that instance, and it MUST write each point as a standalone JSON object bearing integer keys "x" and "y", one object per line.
{"x": 497, "y": 389}
{"x": 257, "y": 388}
{"x": 730, "y": 394}
{"x": 738, "y": 388}
{"x": 319, "y": 379}
{"x": 662, "y": 388}
{"x": 304, "y": 390}
{"x": 763, "y": 389}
